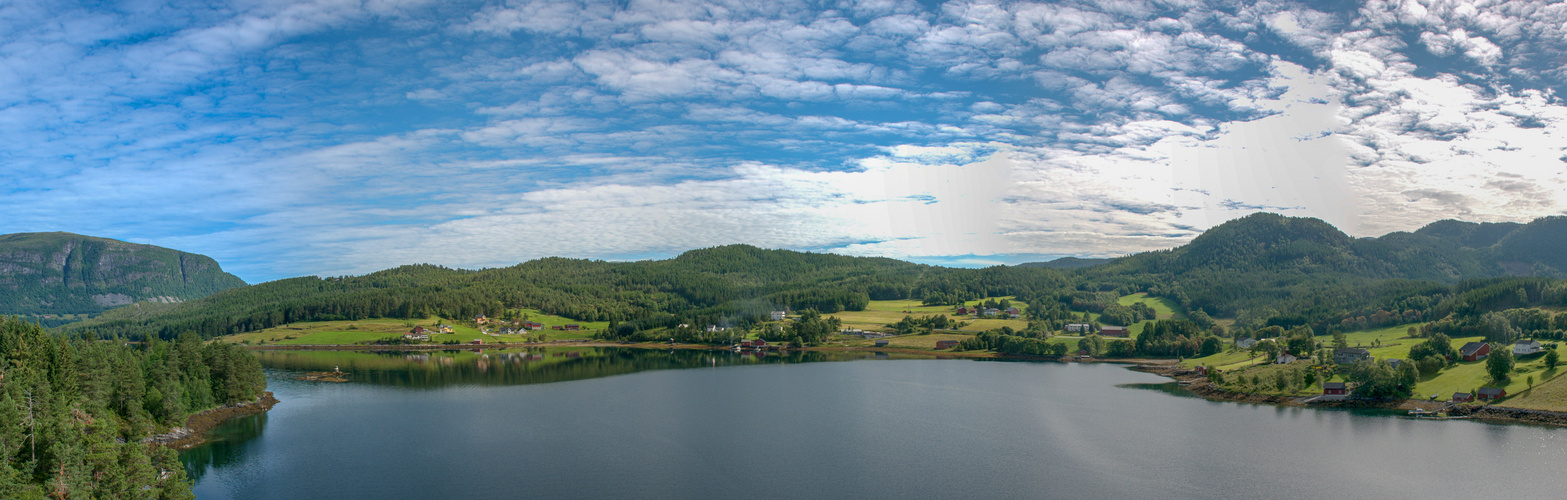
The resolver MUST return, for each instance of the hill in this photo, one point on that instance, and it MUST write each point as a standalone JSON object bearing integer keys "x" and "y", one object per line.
{"x": 735, "y": 284}
{"x": 1066, "y": 263}
{"x": 63, "y": 273}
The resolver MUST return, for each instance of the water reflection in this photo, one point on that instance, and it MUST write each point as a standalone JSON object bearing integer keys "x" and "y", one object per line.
{"x": 431, "y": 370}
{"x": 227, "y": 444}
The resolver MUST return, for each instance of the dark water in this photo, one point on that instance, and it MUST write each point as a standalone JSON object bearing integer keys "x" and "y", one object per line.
{"x": 541, "y": 425}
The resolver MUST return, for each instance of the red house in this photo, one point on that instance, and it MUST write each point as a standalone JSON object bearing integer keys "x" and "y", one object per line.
{"x": 1114, "y": 331}
{"x": 532, "y": 325}
{"x": 1490, "y": 393}
{"x": 963, "y": 310}
{"x": 1463, "y": 397}
{"x": 946, "y": 344}
{"x": 1334, "y": 388}
{"x": 476, "y": 342}
{"x": 758, "y": 343}
{"x": 1202, "y": 371}
{"x": 745, "y": 343}
{"x": 573, "y": 326}
{"x": 1475, "y": 351}
{"x": 557, "y": 327}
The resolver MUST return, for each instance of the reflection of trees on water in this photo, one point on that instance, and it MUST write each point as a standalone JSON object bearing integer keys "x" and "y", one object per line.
{"x": 225, "y": 445}
{"x": 429, "y": 370}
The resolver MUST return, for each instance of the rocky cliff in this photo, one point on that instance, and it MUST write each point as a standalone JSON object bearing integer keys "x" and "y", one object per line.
{"x": 62, "y": 274}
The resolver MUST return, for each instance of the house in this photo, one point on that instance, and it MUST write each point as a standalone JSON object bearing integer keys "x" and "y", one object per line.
{"x": 1114, "y": 331}
{"x": 881, "y": 343}
{"x": 532, "y": 325}
{"x": 1013, "y": 312}
{"x": 1077, "y": 327}
{"x": 715, "y": 328}
{"x": 745, "y": 343}
{"x": 1285, "y": 359}
{"x": 573, "y": 327}
{"x": 476, "y": 342}
{"x": 778, "y": 315}
{"x": 1474, "y": 351}
{"x": 557, "y": 327}
{"x": 991, "y": 311}
{"x": 1201, "y": 371}
{"x": 416, "y": 336}
{"x": 445, "y": 328}
{"x": 964, "y": 310}
{"x": 758, "y": 343}
{"x": 1526, "y": 347}
{"x": 946, "y": 344}
{"x": 851, "y": 331}
{"x": 1247, "y": 343}
{"x": 419, "y": 330}
{"x": 1490, "y": 393}
{"x": 1463, "y": 397}
{"x": 480, "y": 320}
{"x": 1350, "y": 355}
{"x": 1334, "y": 388}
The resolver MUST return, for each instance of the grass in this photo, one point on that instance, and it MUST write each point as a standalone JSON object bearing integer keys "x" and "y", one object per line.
{"x": 1162, "y": 307}
{"x": 370, "y": 330}
{"x": 880, "y": 313}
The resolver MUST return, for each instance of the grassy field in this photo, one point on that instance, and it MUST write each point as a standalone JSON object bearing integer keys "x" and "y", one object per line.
{"x": 370, "y": 330}
{"x": 1162, "y": 307}
{"x": 879, "y": 313}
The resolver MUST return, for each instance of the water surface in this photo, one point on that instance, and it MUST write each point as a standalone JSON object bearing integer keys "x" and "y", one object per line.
{"x": 462, "y": 425}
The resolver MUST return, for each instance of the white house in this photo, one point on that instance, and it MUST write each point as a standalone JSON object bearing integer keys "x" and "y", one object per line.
{"x": 1523, "y": 347}
{"x": 778, "y": 315}
{"x": 1246, "y": 343}
{"x": 1285, "y": 359}
{"x": 1077, "y": 327}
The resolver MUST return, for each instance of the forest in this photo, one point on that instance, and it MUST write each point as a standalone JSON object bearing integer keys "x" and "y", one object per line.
{"x": 73, "y": 412}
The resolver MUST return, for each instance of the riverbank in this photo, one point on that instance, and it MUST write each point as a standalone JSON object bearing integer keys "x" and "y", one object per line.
{"x": 194, "y": 431}
{"x": 1199, "y": 385}
{"x": 656, "y": 345}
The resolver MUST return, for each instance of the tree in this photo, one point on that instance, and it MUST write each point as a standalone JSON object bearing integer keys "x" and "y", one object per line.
{"x": 1378, "y": 379}
{"x": 1551, "y": 358}
{"x": 1340, "y": 341}
{"x": 1210, "y": 346}
{"x": 1499, "y": 363}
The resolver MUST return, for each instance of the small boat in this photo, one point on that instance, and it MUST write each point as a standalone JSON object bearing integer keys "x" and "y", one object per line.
{"x": 1421, "y": 413}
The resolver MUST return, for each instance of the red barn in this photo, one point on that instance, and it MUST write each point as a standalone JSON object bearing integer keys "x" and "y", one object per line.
{"x": 476, "y": 342}
{"x": 1490, "y": 393}
{"x": 573, "y": 326}
{"x": 1114, "y": 331}
{"x": 1334, "y": 388}
{"x": 758, "y": 343}
{"x": 1475, "y": 351}
{"x": 1463, "y": 397}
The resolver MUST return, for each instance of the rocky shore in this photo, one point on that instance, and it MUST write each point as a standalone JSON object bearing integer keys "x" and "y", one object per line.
{"x": 195, "y": 429}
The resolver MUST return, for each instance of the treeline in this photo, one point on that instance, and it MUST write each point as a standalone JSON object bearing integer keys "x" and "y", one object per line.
{"x": 73, "y": 411}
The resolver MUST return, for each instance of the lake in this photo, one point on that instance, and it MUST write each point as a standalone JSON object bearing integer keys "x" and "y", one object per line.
{"x": 611, "y": 422}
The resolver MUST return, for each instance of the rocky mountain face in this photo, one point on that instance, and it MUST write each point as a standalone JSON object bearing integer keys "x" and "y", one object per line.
{"x": 51, "y": 274}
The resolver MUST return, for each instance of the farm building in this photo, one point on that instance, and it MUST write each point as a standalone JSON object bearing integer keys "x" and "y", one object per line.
{"x": 881, "y": 343}
{"x": 1490, "y": 393}
{"x": 1285, "y": 359}
{"x": 964, "y": 310}
{"x": 1114, "y": 331}
{"x": 1474, "y": 351}
{"x": 1526, "y": 347}
{"x": 476, "y": 342}
{"x": 1463, "y": 397}
{"x": 1013, "y": 312}
{"x": 1334, "y": 388}
{"x": 1247, "y": 343}
{"x": 532, "y": 325}
{"x": 1201, "y": 371}
{"x": 946, "y": 344}
{"x": 1077, "y": 327}
{"x": 573, "y": 326}
{"x": 991, "y": 311}
{"x": 1350, "y": 355}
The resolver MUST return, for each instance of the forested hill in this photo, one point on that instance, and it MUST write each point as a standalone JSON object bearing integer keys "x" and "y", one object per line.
{"x": 64, "y": 273}
{"x": 736, "y": 284}
{"x": 1067, "y": 263}
{"x": 1266, "y": 264}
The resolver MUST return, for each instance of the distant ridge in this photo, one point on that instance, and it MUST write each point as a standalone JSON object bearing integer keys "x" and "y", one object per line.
{"x": 46, "y": 274}
{"x": 1067, "y": 263}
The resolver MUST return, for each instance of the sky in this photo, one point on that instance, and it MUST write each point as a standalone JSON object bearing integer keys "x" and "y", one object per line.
{"x": 335, "y": 137}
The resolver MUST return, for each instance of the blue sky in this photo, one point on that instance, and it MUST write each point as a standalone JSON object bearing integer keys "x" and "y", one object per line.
{"x": 335, "y": 137}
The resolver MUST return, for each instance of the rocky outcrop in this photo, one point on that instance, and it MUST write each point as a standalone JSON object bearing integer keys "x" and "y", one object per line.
{"x": 62, "y": 273}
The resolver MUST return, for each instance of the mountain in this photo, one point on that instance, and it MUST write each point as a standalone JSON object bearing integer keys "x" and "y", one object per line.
{"x": 1066, "y": 263}
{"x": 63, "y": 273}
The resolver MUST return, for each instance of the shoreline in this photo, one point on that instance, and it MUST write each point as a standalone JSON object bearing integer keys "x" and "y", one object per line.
{"x": 706, "y": 347}
{"x": 1200, "y": 387}
{"x": 196, "y": 426}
